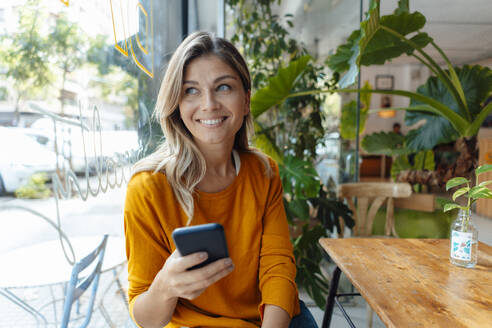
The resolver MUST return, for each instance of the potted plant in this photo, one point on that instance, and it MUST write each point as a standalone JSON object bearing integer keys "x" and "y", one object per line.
{"x": 451, "y": 101}
{"x": 464, "y": 235}
{"x": 290, "y": 132}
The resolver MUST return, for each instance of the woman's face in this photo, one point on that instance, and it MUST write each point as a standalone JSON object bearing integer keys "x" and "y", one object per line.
{"x": 213, "y": 102}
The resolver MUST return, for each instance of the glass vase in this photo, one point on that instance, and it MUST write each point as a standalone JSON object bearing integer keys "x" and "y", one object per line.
{"x": 464, "y": 241}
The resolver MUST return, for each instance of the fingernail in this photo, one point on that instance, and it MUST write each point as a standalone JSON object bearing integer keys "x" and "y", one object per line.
{"x": 228, "y": 261}
{"x": 203, "y": 255}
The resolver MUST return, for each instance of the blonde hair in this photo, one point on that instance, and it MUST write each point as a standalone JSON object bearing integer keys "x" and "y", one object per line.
{"x": 178, "y": 157}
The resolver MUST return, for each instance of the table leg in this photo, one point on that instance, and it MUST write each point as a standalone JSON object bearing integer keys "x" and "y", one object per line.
{"x": 330, "y": 302}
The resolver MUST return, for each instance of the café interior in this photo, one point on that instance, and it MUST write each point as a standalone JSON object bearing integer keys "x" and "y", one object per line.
{"x": 378, "y": 112}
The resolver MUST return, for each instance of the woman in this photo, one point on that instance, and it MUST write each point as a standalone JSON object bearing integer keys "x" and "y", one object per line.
{"x": 205, "y": 172}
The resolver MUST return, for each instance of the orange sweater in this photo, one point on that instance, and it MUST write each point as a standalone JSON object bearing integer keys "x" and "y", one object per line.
{"x": 252, "y": 213}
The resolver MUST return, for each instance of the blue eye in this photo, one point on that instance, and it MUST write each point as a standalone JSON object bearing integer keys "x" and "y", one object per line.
{"x": 191, "y": 91}
{"x": 223, "y": 87}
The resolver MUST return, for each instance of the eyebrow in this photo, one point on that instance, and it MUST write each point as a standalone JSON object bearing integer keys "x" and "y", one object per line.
{"x": 220, "y": 78}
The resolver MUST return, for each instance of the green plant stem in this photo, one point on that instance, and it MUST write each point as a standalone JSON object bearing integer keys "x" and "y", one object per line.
{"x": 433, "y": 70}
{"x": 442, "y": 75}
{"x": 475, "y": 126}
{"x": 458, "y": 122}
{"x": 455, "y": 79}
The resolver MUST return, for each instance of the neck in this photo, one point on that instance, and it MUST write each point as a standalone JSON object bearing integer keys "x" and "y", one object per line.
{"x": 219, "y": 161}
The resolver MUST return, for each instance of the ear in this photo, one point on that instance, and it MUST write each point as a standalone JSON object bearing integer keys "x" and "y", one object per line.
{"x": 247, "y": 104}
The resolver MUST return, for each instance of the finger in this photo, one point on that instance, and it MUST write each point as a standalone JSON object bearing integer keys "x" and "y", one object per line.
{"x": 205, "y": 283}
{"x": 184, "y": 262}
{"x": 169, "y": 262}
{"x": 210, "y": 270}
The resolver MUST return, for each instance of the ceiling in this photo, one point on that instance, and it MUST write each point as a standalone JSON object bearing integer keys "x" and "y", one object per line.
{"x": 463, "y": 29}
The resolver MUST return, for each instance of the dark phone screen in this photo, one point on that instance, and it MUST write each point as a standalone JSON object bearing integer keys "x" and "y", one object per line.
{"x": 208, "y": 238}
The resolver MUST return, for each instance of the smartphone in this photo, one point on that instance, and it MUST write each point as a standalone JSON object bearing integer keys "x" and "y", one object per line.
{"x": 208, "y": 238}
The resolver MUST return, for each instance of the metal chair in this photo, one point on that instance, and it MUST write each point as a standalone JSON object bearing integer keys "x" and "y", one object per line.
{"x": 370, "y": 197}
{"x": 77, "y": 286}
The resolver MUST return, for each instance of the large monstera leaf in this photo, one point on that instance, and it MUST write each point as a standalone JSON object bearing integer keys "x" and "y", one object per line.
{"x": 379, "y": 45}
{"x": 477, "y": 85}
{"x": 279, "y": 86}
{"x": 379, "y": 40}
{"x": 299, "y": 178}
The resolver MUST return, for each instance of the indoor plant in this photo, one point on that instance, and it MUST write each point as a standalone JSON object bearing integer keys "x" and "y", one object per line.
{"x": 464, "y": 235}
{"x": 452, "y": 101}
{"x": 290, "y": 131}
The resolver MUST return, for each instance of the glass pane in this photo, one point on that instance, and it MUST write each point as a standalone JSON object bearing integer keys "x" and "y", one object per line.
{"x": 78, "y": 84}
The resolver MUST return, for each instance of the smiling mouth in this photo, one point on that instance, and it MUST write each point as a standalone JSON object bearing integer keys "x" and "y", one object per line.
{"x": 213, "y": 122}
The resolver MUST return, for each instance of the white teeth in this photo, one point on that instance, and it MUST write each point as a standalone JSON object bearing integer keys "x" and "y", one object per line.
{"x": 211, "y": 122}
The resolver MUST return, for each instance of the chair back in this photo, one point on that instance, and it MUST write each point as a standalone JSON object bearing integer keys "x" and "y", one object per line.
{"x": 77, "y": 286}
{"x": 370, "y": 196}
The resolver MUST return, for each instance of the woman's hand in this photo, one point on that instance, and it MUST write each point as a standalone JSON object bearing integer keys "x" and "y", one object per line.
{"x": 155, "y": 307}
{"x": 175, "y": 281}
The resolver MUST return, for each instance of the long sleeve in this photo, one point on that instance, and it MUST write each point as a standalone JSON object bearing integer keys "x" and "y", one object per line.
{"x": 146, "y": 248}
{"x": 277, "y": 264}
{"x": 252, "y": 214}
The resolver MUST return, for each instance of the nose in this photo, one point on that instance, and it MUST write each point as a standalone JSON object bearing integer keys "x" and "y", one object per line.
{"x": 210, "y": 101}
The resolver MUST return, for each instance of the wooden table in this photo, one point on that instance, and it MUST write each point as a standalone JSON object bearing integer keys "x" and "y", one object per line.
{"x": 411, "y": 283}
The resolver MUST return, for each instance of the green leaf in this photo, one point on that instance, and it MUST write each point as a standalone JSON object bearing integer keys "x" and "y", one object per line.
{"x": 400, "y": 163}
{"x": 485, "y": 183}
{"x": 451, "y": 206}
{"x": 330, "y": 210}
{"x": 455, "y": 182}
{"x": 378, "y": 45}
{"x": 348, "y": 120}
{"x": 299, "y": 208}
{"x": 460, "y": 192}
{"x": 349, "y": 78}
{"x": 483, "y": 168}
{"x": 477, "y": 85}
{"x": 278, "y": 87}
{"x": 299, "y": 178}
{"x": 264, "y": 143}
{"x": 339, "y": 62}
{"x": 480, "y": 192}
{"x": 424, "y": 160}
{"x": 440, "y": 202}
{"x": 385, "y": 143}
{"x": 365, "y": 97}
{"x": 477, "y": 123}
{"x": 349, "y": 112}
{"x": 426, "y": 137}
{"x": 437, "y": 128}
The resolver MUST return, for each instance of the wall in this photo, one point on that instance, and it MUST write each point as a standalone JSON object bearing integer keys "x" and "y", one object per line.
{"x": 485, "y": 62}
{"x": 406, "y": 77}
